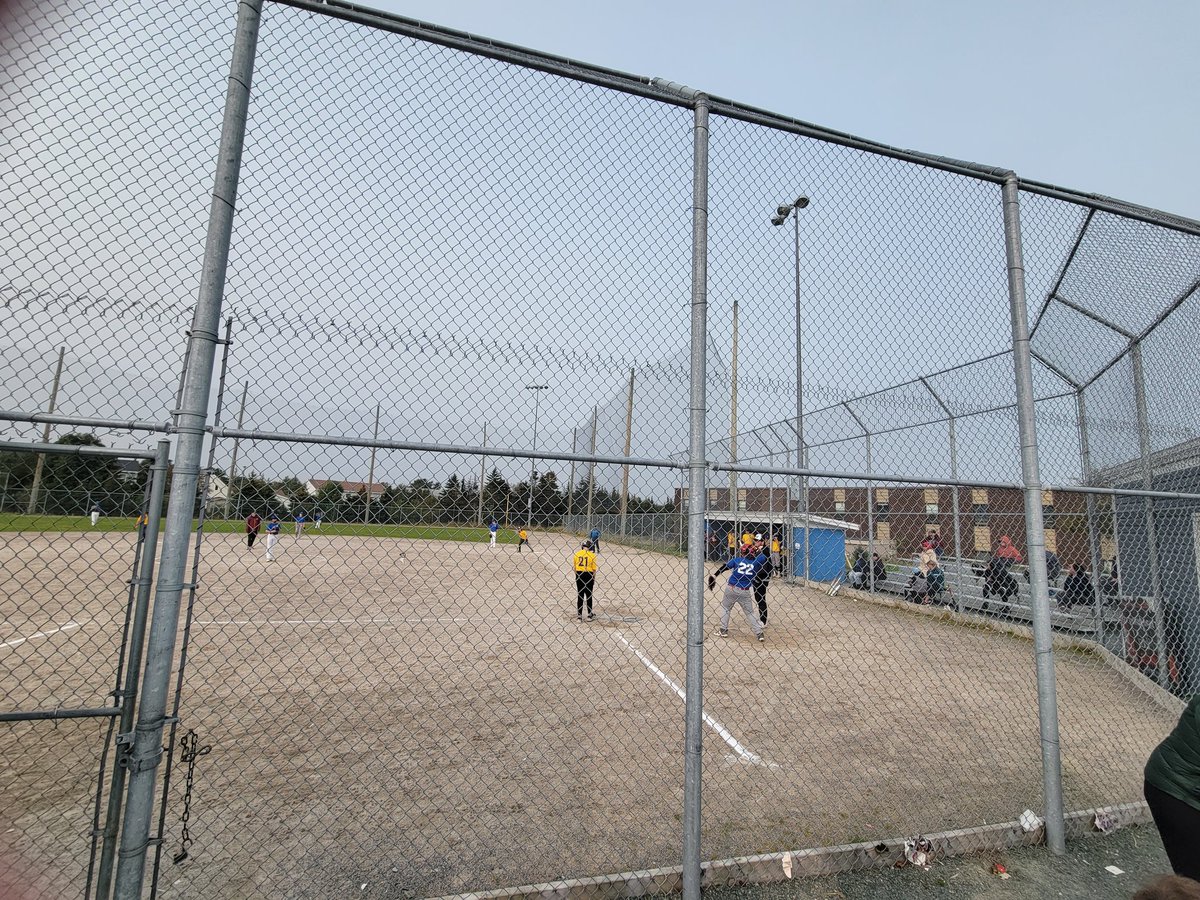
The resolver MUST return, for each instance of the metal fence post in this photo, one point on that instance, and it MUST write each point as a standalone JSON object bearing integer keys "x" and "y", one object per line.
{"x": 1085, "y": 464}
{"x": 1034, "y": 535}
{"x": 137, "y": 632}
{"x": 1143, "y": 423}
{"x": 694, "y": 686}
{"x": 190, "y": 420}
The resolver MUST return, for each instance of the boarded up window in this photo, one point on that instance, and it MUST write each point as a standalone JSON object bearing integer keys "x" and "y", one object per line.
{"x": 1051, "y": 540}
{"x": 931, "y": 495}
{"x": 883, "y": 531}
{"x": 983, "y": 538}
{"x": 881, "y": 495}
{"x": 839, "y": 495}
{"x": 979, "y": 496}
{"x": 1047, "y": 498}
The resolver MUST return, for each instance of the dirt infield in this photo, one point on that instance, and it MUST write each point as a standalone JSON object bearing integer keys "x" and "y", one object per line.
{"x": 429, "y": 718}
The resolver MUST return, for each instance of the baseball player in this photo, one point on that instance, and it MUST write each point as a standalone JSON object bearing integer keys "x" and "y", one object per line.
{"x": 300, "y": 520}
{"x": 96, "y": 513}
{"x": 594, "y": 537}
{"x": 273, "y": 528}
{"x": 585, "y": 580}
{"x": 317, "y": 516}
{"x": 492, "y": 530}
{"x": 523, "y": 540}
{"x": 739, "y": 590}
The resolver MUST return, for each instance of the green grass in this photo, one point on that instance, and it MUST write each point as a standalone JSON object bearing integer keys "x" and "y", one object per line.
{"x": 19, "y": 522}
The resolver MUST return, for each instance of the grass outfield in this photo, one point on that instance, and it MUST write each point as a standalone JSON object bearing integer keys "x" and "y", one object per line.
{"x": 20, "y": 522}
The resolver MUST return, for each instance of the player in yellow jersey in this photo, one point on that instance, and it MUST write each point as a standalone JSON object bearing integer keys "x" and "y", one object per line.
{"x": 523, "y": 540}
{"x": 585, "y": 580}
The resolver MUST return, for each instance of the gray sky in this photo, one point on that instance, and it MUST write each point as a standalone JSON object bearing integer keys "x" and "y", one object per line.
{"x": 431, "y": 232}
{"x": 1097, "y": 96}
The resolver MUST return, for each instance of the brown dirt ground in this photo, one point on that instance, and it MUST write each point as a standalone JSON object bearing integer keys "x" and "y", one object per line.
{"x": 430, "y": 718}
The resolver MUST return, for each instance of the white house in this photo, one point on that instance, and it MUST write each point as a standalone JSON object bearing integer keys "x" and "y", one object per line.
{"x": 349, "y": 488}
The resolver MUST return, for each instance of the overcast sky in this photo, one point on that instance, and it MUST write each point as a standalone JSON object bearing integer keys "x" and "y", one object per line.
{"x": 1099, "y": 96}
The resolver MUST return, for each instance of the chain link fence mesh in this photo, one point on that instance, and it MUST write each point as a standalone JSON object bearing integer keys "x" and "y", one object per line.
{"x": 458, "y": 310}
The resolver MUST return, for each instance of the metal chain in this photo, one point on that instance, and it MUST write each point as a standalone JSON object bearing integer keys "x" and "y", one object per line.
{"x": 189, "y": 751}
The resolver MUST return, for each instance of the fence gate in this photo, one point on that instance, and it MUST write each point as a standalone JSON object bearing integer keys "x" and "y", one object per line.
{"x": 78, "y": 521}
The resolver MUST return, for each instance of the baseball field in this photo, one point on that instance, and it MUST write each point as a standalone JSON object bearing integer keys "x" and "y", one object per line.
{"x": 398, "y": 717}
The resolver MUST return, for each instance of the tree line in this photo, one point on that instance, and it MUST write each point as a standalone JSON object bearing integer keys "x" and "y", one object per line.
{"x": 424, "y": 501}
{"x": 69, "y": 485}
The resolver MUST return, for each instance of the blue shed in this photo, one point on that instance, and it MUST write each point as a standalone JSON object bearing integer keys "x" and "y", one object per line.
{"x": 825, "y": 553}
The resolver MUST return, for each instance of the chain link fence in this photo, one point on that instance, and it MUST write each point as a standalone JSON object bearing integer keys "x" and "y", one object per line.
{"x": 532, "y": 444}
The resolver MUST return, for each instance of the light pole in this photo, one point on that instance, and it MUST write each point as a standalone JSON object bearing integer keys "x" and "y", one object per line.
{"x": 537, "y": 396}
{"x": 781, "y": 215}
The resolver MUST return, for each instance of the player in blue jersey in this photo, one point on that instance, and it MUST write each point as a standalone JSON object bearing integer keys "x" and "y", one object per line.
{"x": 739, "y": 591}
{"x": 492, "y": 529}
{"x": 273, "y": 529}
{"x": 594, "y": 537}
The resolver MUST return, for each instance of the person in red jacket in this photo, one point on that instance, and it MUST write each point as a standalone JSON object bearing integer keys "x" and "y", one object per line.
{"x": 253, "y": 524}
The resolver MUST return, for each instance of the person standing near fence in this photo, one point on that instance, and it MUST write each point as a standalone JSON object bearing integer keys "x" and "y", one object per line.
{"x": 585, "y": 580}
{"x": 300, "y": 520}
{"x": 761, "y": 579}
{"x": 492, "y": 531}
{"x": 273, "y": 528}
{"x": 523, "y": 540}
{"x": 594, "y": 537}
{"x": 1172, "y": 789}
{"x": 775, "y": 551}
{"x": 253, "y": 523}
{"x": 739, "y": 590}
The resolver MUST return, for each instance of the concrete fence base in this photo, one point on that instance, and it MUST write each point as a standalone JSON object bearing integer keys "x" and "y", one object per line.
{"x": 771, "y": 867}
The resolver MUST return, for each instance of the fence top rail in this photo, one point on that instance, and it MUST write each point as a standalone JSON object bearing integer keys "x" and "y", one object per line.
{"x": 75, "y": 450}
{"x": 455, "y": 449}
{"x": 670, "y": 92}
{"x": 37, "y": 418}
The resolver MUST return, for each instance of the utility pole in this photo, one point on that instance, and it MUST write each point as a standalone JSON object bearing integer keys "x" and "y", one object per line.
{"x": 371, "y": 471}
{"x": 233, "y": 457}
{"x": 733, "y": 448}
{"x": 571, "y": 480}
{"x": 482, "y": 473}
{"x": 628, "y": 444}
{"x": 592, "y": 469}
{"x": 41, "y": 460}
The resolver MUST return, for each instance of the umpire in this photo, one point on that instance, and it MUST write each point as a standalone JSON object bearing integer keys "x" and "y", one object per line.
{"x": 761, "y": 579}
{"x": 585, "y": 580}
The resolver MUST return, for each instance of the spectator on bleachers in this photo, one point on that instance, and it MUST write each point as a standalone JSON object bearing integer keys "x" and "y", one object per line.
{"x": 928, "y": 581}
{"x": 1006, "y": 550}
{"x": 997, "y": 581}
{"x": 1077, "y": 589}
{"x": 933, "y": 541}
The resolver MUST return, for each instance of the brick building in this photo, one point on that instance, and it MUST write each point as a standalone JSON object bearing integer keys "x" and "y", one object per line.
{"x": 905, "y": 514}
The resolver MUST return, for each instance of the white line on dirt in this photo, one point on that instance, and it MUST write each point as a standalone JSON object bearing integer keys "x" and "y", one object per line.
{"x": 70, "y": 626}
{"x": 723, "y": 732}
{"x": 325, "y": 621}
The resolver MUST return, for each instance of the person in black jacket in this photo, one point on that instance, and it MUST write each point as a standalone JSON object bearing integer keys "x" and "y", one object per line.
{"x": 761, "y": 578}
{"x": 1077, "y": 589}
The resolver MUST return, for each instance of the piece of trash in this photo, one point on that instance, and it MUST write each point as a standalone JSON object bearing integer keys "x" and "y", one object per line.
{"x": 787, "y": 864}
{"x": 363, "y": 886}
{"x": 881, "y": 848}
{"x": 1114, "y": 870}
{"x": 919, "y": 851}
{"x": 998, "y": 869}
{"x": 1106, "y": 822}
{"x": 1031, "y": 821}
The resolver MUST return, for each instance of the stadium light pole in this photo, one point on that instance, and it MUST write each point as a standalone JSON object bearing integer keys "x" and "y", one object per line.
{"x": 537, "y": 396}
{"x": 782, "y": 213}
